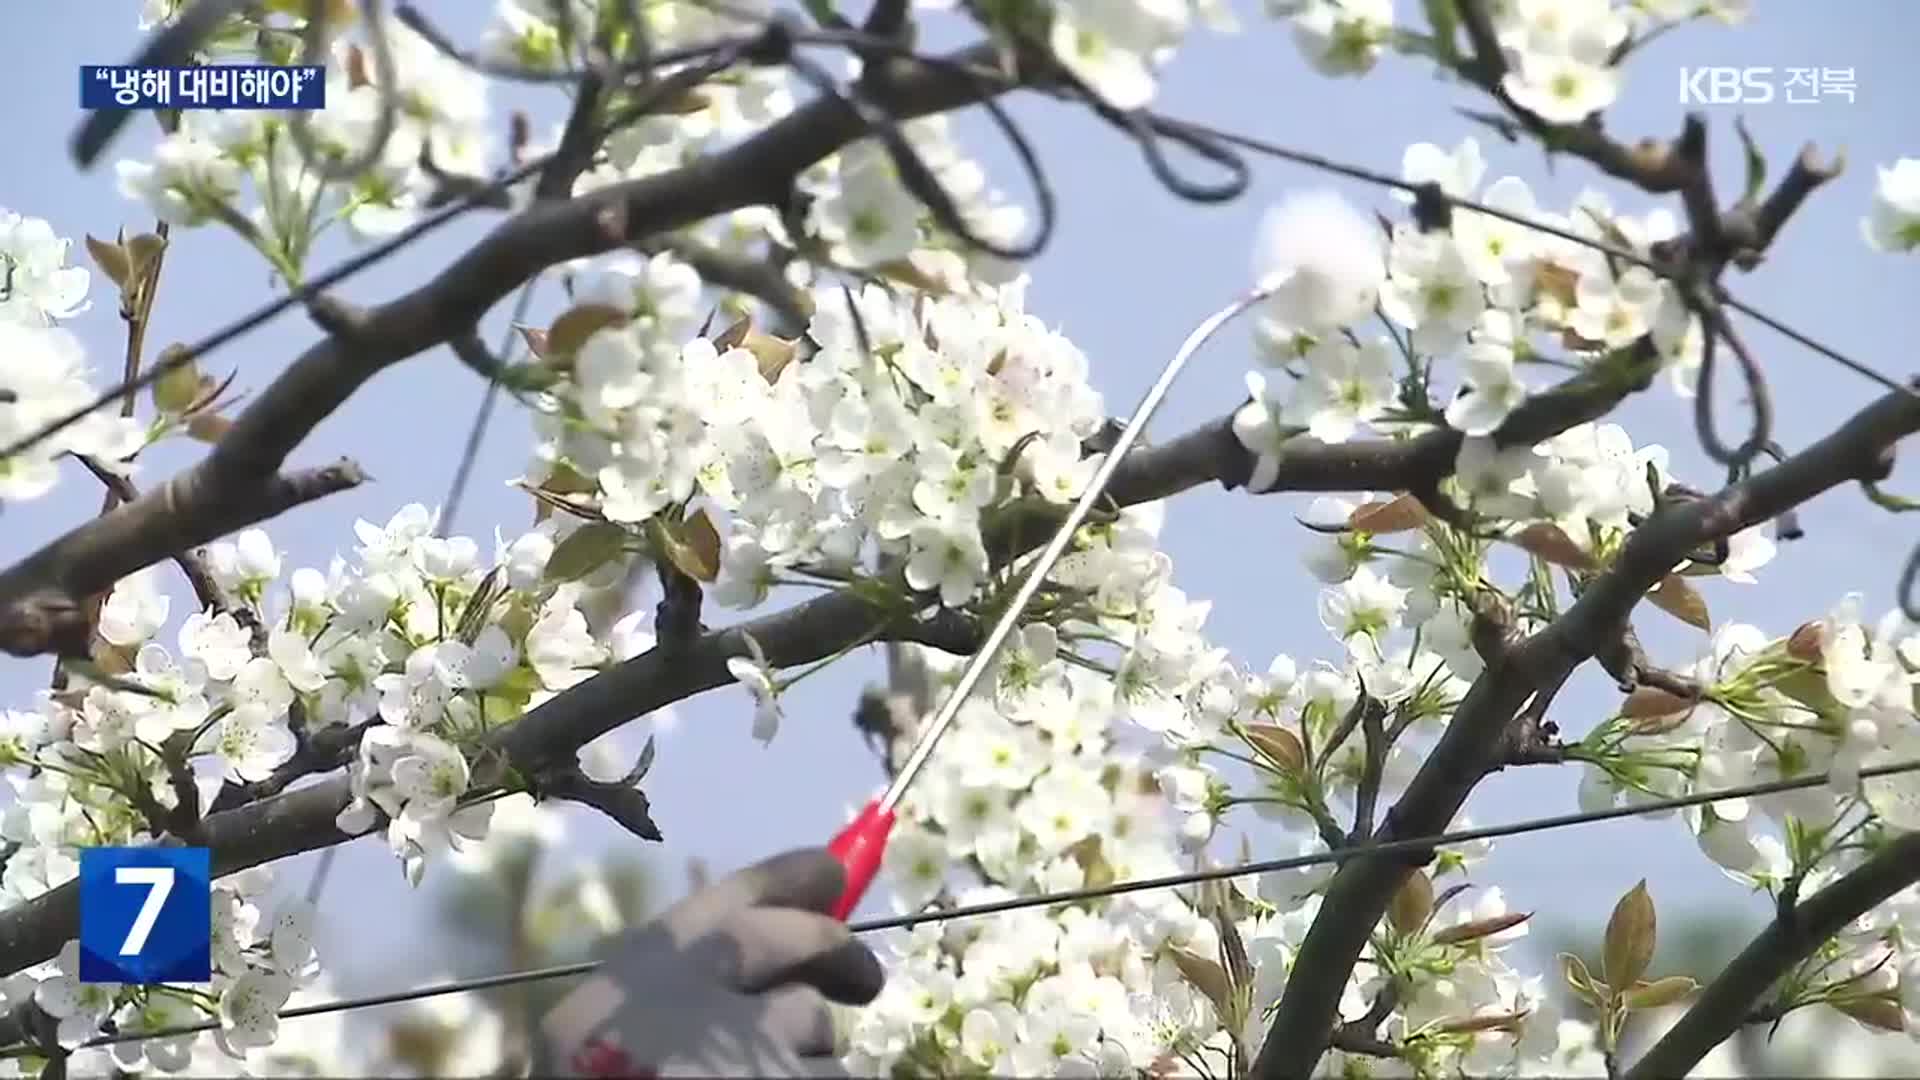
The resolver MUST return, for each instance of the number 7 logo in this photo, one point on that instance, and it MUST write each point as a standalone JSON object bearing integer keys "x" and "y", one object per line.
{"x": 146, "y": 915}
{"x": 159, "y": 882}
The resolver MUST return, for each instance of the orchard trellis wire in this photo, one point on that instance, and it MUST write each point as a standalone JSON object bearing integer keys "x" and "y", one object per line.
{"x": 776, "y": 42}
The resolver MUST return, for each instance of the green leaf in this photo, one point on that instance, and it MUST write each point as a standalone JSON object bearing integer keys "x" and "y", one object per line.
{"x": 142, "y": 250}
{"x": 1412, "y": 904}
{"x": 1480, "y": 928}
{"x": 574, "y": 326}
{"x": 692, "y": 545}
{"x": 585, "y": 550}
{"x": 1881, "y": 1010}
{"x": 1660, "y": 992}
{"x": 1579, "y": 979}
{"x": 112, "y": 259}
{"x": 180, "y": 388}
{"x": 1631, "y": 934}
{"x": 1682, "y": 601}
{"x": 1808, "y": 686}
{"x": 1207, "y": 977}
{"x": 1278, "y": 745}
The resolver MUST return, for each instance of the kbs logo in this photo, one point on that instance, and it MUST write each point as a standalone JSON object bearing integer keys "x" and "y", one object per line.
{"x": 1759, "y": 86}
{"x": 1726, "y": 86}
{"x": 146, "y": 915}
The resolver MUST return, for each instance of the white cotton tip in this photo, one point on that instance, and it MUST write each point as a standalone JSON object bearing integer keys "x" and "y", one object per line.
{"x": 1324, "y": 257}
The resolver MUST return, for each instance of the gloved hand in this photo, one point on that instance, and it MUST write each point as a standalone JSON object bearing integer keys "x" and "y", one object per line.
{"x": 732, "y": 981}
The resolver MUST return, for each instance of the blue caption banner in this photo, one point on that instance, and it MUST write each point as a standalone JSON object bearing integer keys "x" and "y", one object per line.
{"x": 209, "y": 86}
{"x": 146, "y": 915}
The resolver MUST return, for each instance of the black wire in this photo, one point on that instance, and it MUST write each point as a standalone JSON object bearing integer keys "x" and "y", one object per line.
{"x": 463, "y": 472}
{"x": 1419, "y": 845}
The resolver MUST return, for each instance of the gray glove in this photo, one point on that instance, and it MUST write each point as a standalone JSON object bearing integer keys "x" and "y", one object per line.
{"x": 732, "y": 981}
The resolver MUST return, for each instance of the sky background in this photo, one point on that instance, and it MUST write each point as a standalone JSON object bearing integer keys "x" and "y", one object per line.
{"x": 1131, "y": 269}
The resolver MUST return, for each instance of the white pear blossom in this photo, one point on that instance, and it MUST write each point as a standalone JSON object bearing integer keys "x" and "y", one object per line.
{"x": 1892, "y": 224}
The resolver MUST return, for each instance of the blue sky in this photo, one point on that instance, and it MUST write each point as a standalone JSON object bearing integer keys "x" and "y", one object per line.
{"x": 1130, "y": 270}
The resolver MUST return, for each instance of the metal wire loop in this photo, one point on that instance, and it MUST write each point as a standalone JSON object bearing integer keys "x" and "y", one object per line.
{"x": 313, "y": 42}
{"x": 1714, "y": 327}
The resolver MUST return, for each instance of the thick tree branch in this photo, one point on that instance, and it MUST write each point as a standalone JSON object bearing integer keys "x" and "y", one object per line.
{"x": 1475, "y": 737}
{"x": 191, "y": 563}
{"x": 42, "y": 597}
{"x": 1727, "y": 1001}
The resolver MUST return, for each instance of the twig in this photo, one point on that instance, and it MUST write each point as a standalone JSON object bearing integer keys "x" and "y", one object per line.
{"x": 621, "y": 801}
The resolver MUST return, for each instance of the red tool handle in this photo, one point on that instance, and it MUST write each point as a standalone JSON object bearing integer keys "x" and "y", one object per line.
{"x": 859, "y": 847}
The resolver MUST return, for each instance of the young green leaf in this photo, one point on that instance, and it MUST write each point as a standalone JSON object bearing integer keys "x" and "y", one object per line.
{"x": 585, "y": 550}
{"x": 1659, "y": 992}
{"x": 1579, "y": 979}
{"x": 575, "y": 325}
{"x": 692, "y": 545}
{"x": 1880, "y": 1010}
{"x": 1630, "y": 939}
{"x": 1207, "y": 977}
{"x": 1412, "y": 904}
{"x": 1278, "y": 745}
{"x": 180, "y": 388}
{"x": 1682, "y": 601}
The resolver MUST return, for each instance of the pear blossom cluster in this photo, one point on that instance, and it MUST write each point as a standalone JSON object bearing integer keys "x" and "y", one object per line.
{"x": 1562, "y": 58}
{"x": 1039, "y": 791}
{"x": 1834, "y": 697}
{"x": 865, "y": 218}
{"x": 905, "y": 434}
{"x": 416, "y": 645}
{"x": 1470, "y": 304}
{"x": 44, "y": 374}
{"x": 531, "y": 34}
{"x": 244, "y": 170}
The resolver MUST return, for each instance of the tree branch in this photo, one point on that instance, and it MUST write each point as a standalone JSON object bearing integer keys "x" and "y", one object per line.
{"x": 191, "y": 563}
{"x": 1649, "y": 165}
{"x": 1473, "y": 740}
{"x": 1728, "y": 1000}
{"x": 41, "y": 597}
